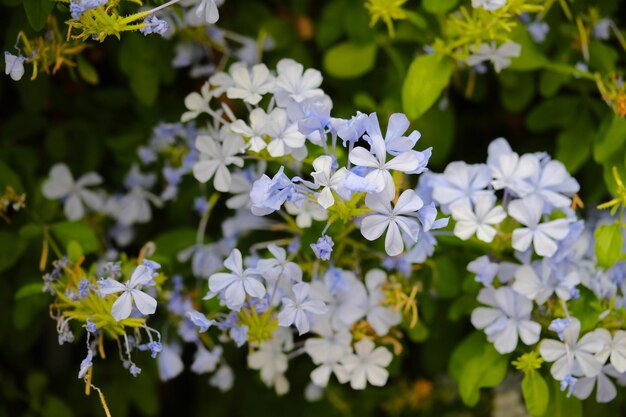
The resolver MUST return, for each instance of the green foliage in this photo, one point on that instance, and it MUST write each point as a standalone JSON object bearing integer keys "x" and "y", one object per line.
{"x": 562, "y": 406}
{"x": 67, "y": 231}
{"x": 475, "y": 364}
{"x": 536, "y": 393}
{"x": 37, "y": 12}
{"x": 350, "y": 60}
{"x": 608, "y": 245}
{"x": 428, "y": 75}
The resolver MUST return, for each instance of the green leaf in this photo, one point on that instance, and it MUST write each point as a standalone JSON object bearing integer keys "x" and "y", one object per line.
{"x": 86, "y": 71}
{"x": 74, "y": 251}
{"x": 573, "y": 145}
{"x": 437, "y": 128}
{"x": 37, "y": 12}
{"x": 608, "y": 244}
{"x": 561, "y": 405}
{"x": 11, "y": 249}
{"x": 350, "y": 60}
{"x": 168, "y": 244}
{"x": 67, "y": 231}
{"x": 550, "y": 82}
{"x": 446, "y": 277}
{"x": 29, "y": 290}
{"x": 428, "y": 75}
{"x": 330, "y": 25}
{"x": 418, "y": 333}
{"x": 483, "y": 371}
{"x": 439, "y": 6}
{"x": 8, "y": 177}
{"x": 557, "y": 112}
{"x": 531, "y": 57}
{"x": 536, "y": 393}
{"x": 518, "y": 89}
{"x": 610, "y": 138}
{"x": 602, "y": 57}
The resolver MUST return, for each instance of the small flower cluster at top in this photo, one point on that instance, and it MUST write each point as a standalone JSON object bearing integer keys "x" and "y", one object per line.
{"x": 541, "y": 265}
{"x": 100, "y": 18}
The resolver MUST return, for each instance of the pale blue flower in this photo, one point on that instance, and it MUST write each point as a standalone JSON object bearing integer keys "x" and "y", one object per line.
{"x": 351, "y": 130}
{"x": 484, "y": 269}
{"x": 601, "y": 30}
{"x": 269, "y": 194}
{"x": 85, "y": 365}
{"x": 391, "y": 220}
{"x": 459, "y": 182}
{"x": 200, "y": 320}
{"x": 237, "y": 284}
{"x": 542, "y": 235}
{"x": 77, "y": 8}
{"x": 131, "y": 293}
{"x": 506, "y": 319}
{"x": 299, "y": 309}
{"x": 239, "y": 334}
{"x": 376, "y": 160}
{"x": 206, "y": 361}
{"x": 14, "y": 65}
{"x": 169, "y": 363}
{"x": 568, "y": 383}
{"x": 323, "y": 247}
{"x": 154, "y": 25}
{"x": 559, "y": 326}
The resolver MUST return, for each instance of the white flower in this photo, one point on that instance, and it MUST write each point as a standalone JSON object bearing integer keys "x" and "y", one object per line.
{"x": 606, "y": 390}
{"x": 322, "y": 166}
{"x": 614, "y": 348}
{"x": 293, "y": 83}
{"x": 206, "y": 361}
{"x": 134, "y": 206}
{"x": 250, "y": 85}
{"x": 255, "y": 132}
{"x": 511, "y": 171}
{"x": 327, "y": 352}
{"x": 306, "y": 213}
{"x": 236, "y": 284}
{"x": 459, "y": 182}
{"x": 131, "y": 292}
{"x": 169, "y": 362}
{"x": 368, "y": 365}
{"x": 500, "y": 56}
{"x": 528, "y": 211}
{"x": 573, "y": 356}
{"x": 490, "y": 5}
{"x": 554, "y": 184}
{"x": 381, "y": 318}
{"x": 345, "y": 297}
{"x": 61, "y": 185}
{"x": 278, "y": 268}
{"x": 207, "y": 11}
{"x": 271, "y": 360}
{"x": 380, "y": 175}
{"x": 507, "y": 319}
{"x": 197, "y": 103}
{"x": 392, "y": 220}
{"x": 223, "y": 379}
{"x": 14, "y": 65}
{"x": 284, "y": 135}
{"x": 539, "y": 282}
{"x": 478, "y": 221}
{"x": 299, "y": 309}
{"x": 215, "y": 158}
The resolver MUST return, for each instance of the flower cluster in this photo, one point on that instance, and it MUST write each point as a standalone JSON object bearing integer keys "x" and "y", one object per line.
{"x": 541, "y": 270}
